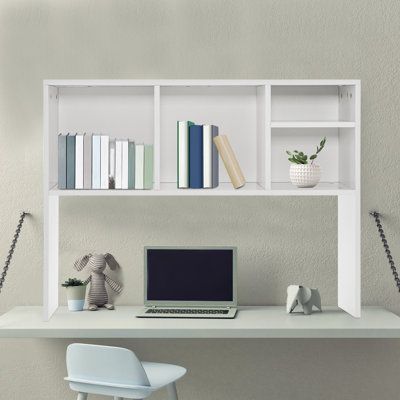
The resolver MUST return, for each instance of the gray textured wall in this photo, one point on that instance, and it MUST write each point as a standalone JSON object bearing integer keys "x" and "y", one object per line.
{"x": 280, "y": 240}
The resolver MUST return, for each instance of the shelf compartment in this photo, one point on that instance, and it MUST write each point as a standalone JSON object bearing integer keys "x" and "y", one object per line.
{"x": 234, "y": 109}
{"x": 337, "y": 159}
{"x": 120, "y": 112}
{"x": 313, "y": 103}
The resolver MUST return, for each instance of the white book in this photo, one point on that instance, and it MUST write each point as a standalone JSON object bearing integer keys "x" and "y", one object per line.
{"x": 125, "y": 159}
{"x": 79, "y": 161}
{"x": 118, "y": 164}
{"x": 183, "y": 154}
{"x": 104, "y": 151}
{"x": 112, "y": 163}
{"x": 207, "y": 156}
{"x": 96, "y": 161}
{"x": 139, "y": 166}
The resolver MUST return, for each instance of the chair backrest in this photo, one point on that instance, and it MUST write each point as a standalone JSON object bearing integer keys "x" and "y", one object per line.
{"x": 105, "y": 364}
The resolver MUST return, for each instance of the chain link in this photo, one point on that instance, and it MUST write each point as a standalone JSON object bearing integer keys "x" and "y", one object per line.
{"x": 12, "y": 248}
{"x": 377, "y": 216}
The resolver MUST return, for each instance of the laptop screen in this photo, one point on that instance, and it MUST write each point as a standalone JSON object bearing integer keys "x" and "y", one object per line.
{"x": 190, "y": 275}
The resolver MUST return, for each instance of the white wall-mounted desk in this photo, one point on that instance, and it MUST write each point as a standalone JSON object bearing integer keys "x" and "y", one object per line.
{"x": 251, "y": 322}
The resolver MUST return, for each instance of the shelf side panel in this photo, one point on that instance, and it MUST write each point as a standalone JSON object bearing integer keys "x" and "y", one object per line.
{"x": 50, "y": 256}
{"x": 50, "y": 136}
{"x": 156, "y": 176}
{"x": 261, "y": 126}
{"x": 349, "y": 270}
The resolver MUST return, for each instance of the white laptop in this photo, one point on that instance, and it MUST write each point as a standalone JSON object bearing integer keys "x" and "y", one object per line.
{"x": 189, "y": 282}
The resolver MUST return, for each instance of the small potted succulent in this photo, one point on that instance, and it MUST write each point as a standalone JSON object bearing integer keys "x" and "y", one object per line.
{"x": 76, "y": 292}
{"x": 303, "y": 172}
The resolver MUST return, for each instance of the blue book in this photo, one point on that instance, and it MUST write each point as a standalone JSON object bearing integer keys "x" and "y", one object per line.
{"x": 71, "y": 161}
{"x": 196, "y": 156}
{"x": 62, "y": 161}
{"x": 96, "y": 162}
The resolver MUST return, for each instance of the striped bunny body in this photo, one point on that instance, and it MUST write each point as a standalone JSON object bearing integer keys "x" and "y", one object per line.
{"x": 98, "y": 296}
{"x": 98, "y": 292}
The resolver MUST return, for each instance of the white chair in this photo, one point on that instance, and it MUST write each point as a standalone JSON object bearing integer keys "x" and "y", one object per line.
{"x": 114, "y": 371}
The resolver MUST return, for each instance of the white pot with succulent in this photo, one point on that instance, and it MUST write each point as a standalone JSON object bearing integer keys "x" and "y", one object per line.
{"x": 302, "y": 173}
{"x": 76, "y": 293}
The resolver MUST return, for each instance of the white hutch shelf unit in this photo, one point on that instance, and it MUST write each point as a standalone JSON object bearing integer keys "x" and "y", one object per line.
{"x": 262, "y": 118}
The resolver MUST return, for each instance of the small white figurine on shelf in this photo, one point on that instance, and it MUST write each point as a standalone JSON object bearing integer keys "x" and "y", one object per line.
{"x": 98, "y": 296}
{"x": 303, "y": 296}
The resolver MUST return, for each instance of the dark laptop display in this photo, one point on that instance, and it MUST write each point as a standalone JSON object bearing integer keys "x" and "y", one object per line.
{"x": 190, "y": 275}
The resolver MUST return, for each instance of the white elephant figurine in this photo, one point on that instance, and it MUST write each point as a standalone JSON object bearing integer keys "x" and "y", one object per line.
{"x": 303, "y": 296}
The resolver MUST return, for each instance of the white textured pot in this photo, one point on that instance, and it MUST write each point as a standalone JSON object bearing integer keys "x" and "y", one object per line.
{"x": 76, "y": 297}
{"x": 305, "y": 175}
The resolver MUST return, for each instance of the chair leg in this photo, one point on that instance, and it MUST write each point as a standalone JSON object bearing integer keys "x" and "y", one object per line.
{"x": 82, "y": 396}
{"x": 172, "y": 393}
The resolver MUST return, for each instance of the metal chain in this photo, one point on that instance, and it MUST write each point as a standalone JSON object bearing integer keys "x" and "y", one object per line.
{"x": 12, "y": 248}
{"x": 377, "y": 216}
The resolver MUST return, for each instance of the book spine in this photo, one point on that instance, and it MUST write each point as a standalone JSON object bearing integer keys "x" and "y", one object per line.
{"x": 207, "y": 157}
{"x": 71, "y": 161}
{"x": 118, "y": 164}
{"x": 195, "y": 156}
{"x": 96, "y": 160}
{"x": 62, "y": 161}
{"x": 87, "y": 161}
{"x": 231, "y": 164}
{"x": 125, "y": 163}
{"x": 139, "y": 166}
{"x": 112, "y": 165}
{"x": 210, "y": 157}
{"x": 79, "y": 161}
{"x": 148, "y": 166}
{"x": 104, "y": 161}
{"x": 183, "y": 153}
{"x": 215, "y": 160}
{"x": 131, "y": 165}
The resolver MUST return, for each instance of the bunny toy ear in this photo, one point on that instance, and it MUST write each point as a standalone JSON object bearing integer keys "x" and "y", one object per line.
{"x": 111, "y": 261}
{"x": 81, "y": 262}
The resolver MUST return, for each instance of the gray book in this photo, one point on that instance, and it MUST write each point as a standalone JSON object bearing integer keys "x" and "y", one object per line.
{"x": 210, "y": 157}
{"x": 62, "y": 161}
{"x": 148, "y": 166}
{"x": 131, "y": 165}
{"x": 71, "y": 161}
{"x": 215, "y": 159}
{"x": 87, "y": 161}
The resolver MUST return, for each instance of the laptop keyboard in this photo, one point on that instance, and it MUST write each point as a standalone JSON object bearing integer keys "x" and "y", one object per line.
{"x": 183, "y": 311}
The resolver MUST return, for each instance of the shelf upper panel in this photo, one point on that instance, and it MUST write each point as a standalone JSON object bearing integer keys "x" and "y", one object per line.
{"x": 197, "y": 82}
{"x": 224, "y": 189}
{"x": 250, "y": 322}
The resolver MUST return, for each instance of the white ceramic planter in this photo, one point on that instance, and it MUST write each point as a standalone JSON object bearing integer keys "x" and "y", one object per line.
{"x": 76, "y": 297}
{"x": 305, "y": 175}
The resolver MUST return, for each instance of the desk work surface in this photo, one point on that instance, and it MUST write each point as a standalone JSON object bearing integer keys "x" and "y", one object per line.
{"x": 250, "y": 322}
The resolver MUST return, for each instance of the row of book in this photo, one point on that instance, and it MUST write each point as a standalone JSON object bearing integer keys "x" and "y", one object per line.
{"x": 91, "y": 161}
{"x": 198, "y": 149}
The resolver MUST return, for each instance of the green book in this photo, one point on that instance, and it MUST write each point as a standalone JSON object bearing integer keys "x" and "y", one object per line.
{"x": 148, "y": 166}
{"x": 131, "y": 165}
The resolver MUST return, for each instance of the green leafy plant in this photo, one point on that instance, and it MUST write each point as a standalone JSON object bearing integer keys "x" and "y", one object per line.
{"x": 298, "y": 157}
{"x": 72, "y": 282}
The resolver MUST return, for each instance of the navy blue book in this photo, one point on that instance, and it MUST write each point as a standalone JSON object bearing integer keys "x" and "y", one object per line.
{"x": 196, "y": 156}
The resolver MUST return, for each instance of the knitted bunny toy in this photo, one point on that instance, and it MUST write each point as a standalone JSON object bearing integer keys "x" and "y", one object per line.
{"x": 98, "y": 296}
